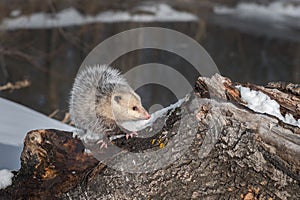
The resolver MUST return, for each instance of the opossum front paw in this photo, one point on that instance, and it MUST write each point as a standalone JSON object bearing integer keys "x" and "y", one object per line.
{"x": 130, "y": 135}
{"x": 103, "y": 144}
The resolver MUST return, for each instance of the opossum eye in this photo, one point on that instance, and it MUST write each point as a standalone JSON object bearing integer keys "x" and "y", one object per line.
{"x": 117, "y": 98}
{"x": 135, "y": 108}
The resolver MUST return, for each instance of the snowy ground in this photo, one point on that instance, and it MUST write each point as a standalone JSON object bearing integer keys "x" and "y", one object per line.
{"x": 277, "y": 11}
{"x": 15, "y": 121}
{"x": 71, "y": 17}
{"x": 278, "y": 19}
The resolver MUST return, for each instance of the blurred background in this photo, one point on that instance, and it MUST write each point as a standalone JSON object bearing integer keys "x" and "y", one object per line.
{"x": 43, "y": 42}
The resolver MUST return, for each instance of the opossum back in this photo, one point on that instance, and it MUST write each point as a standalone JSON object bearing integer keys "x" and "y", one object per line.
{"x": 92, "y": 82}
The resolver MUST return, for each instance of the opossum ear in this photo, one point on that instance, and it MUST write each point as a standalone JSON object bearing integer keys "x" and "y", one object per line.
{"x": 117, "y": 98}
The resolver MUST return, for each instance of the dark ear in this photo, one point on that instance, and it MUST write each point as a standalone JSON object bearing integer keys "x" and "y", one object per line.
{"x": 117, "y": 98}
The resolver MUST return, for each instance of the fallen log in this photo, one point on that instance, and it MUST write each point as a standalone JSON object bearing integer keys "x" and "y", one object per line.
{"x": 211, "y": 147}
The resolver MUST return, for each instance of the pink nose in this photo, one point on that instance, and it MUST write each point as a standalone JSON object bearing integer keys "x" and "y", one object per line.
{"x": 147, "y": 116}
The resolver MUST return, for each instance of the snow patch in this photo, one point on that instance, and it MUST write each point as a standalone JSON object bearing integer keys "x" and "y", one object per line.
{"x": 140, "y": 125}
{"x": 5, "y": 178}
{"x": 262, "y": 103}
{"x": 277, "y": 10}
{"x": 15, "y": 13}
{"x": 71, "y": 17}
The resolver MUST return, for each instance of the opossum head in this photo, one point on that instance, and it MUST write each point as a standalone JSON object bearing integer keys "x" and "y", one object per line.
{"x": 127, "y": 106}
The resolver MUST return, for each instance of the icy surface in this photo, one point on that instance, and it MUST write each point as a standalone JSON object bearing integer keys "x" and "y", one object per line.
{"x": 16, "y": 120}
{"x": 277, "y": 10}
{"x": 71, "y": 17}
{"x": 262, "y": 103}
{"x": 5, "y": 178}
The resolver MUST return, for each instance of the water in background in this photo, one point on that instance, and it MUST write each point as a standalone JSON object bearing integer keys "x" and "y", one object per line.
{"x": 50, "y": 57}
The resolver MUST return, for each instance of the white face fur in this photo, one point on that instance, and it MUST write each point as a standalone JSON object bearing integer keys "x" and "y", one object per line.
{"x": 128, "y": 107}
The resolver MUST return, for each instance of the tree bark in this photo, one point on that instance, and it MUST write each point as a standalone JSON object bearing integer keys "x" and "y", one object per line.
{"x": 211, "y": 147}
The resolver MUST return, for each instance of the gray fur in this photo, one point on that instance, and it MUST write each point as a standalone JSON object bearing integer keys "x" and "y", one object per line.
{"x": 91, "y": 84}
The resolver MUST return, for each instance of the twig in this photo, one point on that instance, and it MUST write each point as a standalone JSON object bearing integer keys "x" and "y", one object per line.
{"x": 16, "y": 85}
{"x": 53, "y": 113}
{"x": 66, "y": 118}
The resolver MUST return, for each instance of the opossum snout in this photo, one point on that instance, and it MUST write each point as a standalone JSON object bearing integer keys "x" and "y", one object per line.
{"x": 147, "y": 116}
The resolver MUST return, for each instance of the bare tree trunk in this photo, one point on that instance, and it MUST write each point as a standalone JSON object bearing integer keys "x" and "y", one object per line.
{"x": 212, "y": 147}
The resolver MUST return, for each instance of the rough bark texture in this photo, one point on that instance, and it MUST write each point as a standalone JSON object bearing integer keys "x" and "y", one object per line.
{"x": 212, "y": 147}
{"x": 52, "y": 162}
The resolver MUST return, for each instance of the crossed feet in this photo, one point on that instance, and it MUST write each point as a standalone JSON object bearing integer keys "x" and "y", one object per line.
{"x": 103, "y": 144}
